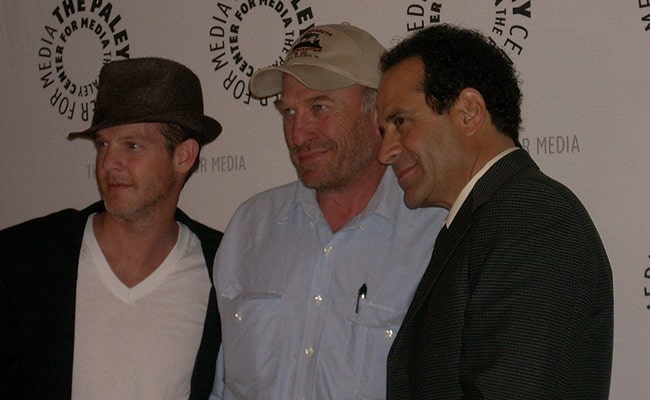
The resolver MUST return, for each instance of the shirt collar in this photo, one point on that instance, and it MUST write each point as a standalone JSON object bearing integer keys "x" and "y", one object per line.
{"x": 385, "y": 200}
{"x": 472, "y": 182}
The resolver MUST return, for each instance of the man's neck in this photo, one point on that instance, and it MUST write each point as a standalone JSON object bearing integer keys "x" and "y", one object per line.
{"x": 342, "y": 205}
{"x": 134, "y": 249}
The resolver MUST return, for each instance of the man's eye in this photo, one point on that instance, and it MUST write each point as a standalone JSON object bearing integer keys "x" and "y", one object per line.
{"x": 398, "y": 121}
{"x": 100, "y": 143}
{"x": 133, "y": 146}
{"x": 286, "y": 112}
{"x": 319, "y": 107}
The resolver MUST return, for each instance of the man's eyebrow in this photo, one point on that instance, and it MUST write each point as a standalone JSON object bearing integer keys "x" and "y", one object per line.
{"x": 390, "y": 117}
{"x": 99, "y": 137}
{"x": 320, "y": 97}
{"x": 125, "y": 137}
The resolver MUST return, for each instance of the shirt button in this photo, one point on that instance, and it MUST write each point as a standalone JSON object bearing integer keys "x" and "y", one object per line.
{"x": 389, "y": 333}
{"x": 328, "y": 249}
{"x": 309, "y": 351}
{"x": 318, "y": 299}
{"x": 238, "y": 316}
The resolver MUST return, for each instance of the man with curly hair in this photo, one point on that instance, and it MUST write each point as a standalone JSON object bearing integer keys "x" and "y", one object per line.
{"x": 516, "y": 302}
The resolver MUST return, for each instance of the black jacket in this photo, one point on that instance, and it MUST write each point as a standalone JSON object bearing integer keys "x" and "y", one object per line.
{"x": 38, "y": 279}
{"x": 517, "y": 301}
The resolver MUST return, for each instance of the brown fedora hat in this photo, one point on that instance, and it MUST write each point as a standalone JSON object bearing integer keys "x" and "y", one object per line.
{"x": 150, "y": 90}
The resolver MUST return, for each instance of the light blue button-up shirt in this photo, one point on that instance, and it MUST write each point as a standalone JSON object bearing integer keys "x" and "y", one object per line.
{"x": 295, "y": 323}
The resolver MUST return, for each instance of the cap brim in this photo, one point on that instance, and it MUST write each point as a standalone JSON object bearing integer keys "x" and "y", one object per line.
{"x": 268, "y": 81}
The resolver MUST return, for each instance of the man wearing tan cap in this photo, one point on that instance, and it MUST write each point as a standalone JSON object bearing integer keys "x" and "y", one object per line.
{"x": 314, "y": 277}
{"x": 116, "y": 301}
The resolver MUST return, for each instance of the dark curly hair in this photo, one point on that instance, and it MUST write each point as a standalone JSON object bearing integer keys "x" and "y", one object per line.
{"x": 455, "y": 59}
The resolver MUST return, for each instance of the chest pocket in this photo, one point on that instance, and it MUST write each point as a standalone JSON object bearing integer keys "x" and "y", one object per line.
{"x": 374, "y": 329}
{"x": 248, "y": 339}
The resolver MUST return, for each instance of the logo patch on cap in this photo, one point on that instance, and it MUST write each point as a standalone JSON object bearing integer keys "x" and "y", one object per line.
{"x": 309, "y": 44}
{"x": 325, "y": 57}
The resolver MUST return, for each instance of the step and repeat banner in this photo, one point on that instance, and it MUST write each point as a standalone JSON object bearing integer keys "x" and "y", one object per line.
{"x": 584, "y": 67}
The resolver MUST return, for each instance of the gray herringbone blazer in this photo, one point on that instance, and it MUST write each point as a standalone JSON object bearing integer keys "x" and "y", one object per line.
{"x": 517, "y": 301}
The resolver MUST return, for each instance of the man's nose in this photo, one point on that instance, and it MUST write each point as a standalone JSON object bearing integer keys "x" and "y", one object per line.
{"x": 390, "y": 149}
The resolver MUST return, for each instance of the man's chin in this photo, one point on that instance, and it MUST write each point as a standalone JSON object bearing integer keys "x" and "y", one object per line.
{"x": 117, "y": 210}
{"x": 315, "y": 181}
{"x": 411, "y": 200}
{"x": 308, "y": 177}
{"x": 411, "y": 205}
{"x": 310, "y": 183}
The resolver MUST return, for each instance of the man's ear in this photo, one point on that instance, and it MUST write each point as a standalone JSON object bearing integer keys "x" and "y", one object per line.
{"x": 185, "y": 154}
{"x": 471, "y": 111}
{"x": 374, "y": 121}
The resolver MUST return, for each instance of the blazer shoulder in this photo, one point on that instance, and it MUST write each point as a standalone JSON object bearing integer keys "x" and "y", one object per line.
{"x": 204, "y": 232}
{"x": 57, "y": 223}
{"x": 210, "y": 238}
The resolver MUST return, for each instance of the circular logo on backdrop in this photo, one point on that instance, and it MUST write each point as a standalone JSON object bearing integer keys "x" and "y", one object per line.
{"x": 251, "y": 34}
{"x": 509, "y": 20}
{"x": 81, "y": 37}
{"x": 646, "y": 287}
{"x": 506, "y": 25}
{"x": 422, "y": 14}
{"x": 509, "y": 26}
{"x": 644, "y": 6}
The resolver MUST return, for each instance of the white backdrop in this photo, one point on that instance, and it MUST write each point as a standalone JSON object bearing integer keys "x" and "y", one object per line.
{"x": 584, "y": 67}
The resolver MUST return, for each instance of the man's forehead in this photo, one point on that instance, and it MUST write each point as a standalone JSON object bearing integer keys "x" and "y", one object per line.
{"x": 293, "y": 88}
{"x": 135, "y": 129}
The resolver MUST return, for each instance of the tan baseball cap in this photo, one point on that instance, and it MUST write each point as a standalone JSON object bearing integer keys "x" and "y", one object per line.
{"x": 325, "y": 57}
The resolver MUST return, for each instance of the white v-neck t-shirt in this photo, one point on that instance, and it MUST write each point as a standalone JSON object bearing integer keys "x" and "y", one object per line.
{"x": 139, "y": 342}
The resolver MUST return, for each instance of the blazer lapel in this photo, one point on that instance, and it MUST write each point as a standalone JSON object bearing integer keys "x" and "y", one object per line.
{"x": 398, "y": 386}
{"x": 445, "y": 245}
{"x": 449, "y": 238}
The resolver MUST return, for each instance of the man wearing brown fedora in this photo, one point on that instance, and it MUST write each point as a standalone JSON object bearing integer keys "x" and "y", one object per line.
{"x": 314, "y": 277}
{"x": 116, "y": 301}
